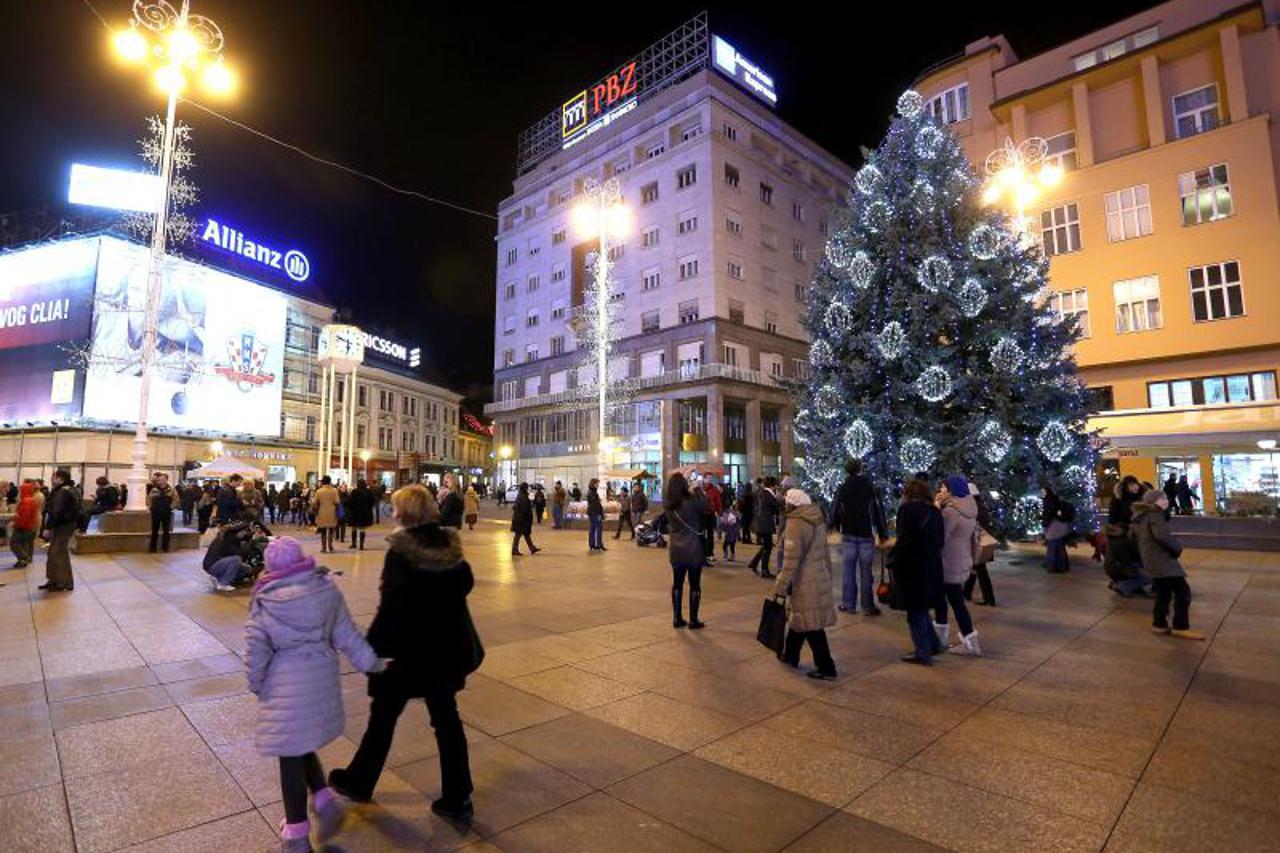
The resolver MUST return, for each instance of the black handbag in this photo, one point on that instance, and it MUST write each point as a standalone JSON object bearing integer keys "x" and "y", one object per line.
{"x": 887, "y": 591}
{"x": 773, "y": 624}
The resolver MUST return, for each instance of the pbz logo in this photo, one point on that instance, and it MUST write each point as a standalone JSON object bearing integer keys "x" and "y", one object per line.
{"x": 589, "y": 104}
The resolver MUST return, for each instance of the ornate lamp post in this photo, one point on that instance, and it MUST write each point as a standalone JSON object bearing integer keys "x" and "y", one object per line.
{"x": 1021, "y": 173}
{"x": 175, "y": 44}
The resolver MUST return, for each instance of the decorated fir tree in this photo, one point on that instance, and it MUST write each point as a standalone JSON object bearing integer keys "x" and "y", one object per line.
{"x": 934, "y": 348}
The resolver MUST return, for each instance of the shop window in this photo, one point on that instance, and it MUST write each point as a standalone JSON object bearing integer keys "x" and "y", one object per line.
{"x": 1213, "y": 390}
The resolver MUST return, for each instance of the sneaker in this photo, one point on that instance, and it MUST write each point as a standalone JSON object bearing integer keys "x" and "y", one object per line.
{"x": 294, "y": 837}
{"x": 1160, "y": 629}
{"x": 461, "y": 812}
{"x": 222, "y": 587}
{"x": 1187, "y": 634}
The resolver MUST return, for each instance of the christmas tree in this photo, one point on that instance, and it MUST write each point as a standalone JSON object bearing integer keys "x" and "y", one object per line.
{"x": 934, "y": 347}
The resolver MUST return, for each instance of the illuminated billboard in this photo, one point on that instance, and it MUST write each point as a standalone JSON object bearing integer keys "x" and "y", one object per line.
{"x": 219, "y": 359}
{"x": 743, "y": 71}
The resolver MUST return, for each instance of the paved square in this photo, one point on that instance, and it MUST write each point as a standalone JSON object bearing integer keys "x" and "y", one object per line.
{"x": 125, "y": 724}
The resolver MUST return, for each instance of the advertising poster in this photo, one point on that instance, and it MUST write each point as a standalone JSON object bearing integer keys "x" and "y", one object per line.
{"x": 219, "y": 348}
{"x": 46, "y": 305}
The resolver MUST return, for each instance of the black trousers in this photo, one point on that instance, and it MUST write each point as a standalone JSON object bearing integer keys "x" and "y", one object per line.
{"x": 161, "y": 523}
{"x": 624, "y": 522}
{"x": 1177, "y": 590}
{"x": 982, "y": 577}
{"x": 817, "y": 645}
{"x": 515, "y": 542}
{"x": 298, "y": 774}
{"x": 451, "y": 740}
{"x": 953, "y": 594}
{"x": 766, "y": 551}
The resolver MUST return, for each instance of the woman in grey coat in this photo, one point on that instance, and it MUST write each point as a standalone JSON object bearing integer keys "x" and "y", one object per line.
{"x": 298, "y": 622}
{"x": 960, "y": 536}
{"x": 805, "y": 578}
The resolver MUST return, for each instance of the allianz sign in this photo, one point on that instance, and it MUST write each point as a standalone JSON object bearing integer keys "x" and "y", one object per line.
{"x": 292, "y": 263}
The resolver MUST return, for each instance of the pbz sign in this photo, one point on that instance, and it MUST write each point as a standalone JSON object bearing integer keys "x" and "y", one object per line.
{"x": 582, "y": 110}
{"x": 291, "y": 262}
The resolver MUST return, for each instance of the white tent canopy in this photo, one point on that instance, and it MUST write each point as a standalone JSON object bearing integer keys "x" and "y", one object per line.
{"x": 225, "y": 466}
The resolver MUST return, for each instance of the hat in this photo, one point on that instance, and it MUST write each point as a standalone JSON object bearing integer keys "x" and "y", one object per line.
{"x": 1153, "y": 496}
{"x": 957, "y": 485}
{"x": 285, "y": 557}
{"x": 796, "y": 497}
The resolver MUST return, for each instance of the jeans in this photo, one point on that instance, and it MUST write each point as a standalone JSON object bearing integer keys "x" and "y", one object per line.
{"x": 455, "y": 765}
{"x": 817, "y": 645}
{"x": 595, "y": 531}
{"x": 1055, "y": 555}
{"x": 22, "y": 543}
{"x": 161, "y": 524}
{"x": 953, "y": 594}
{"x": 982, "y": 578}
{"x": 859, "y": 554}
{"x": 624, "y": 522}
{"x": 762, "y": 556}
{"x": 1178, "y": 590}
{"x": 557, "y": 516}
{"x": 922, "y": 634}
{"x": 298, "y": 774}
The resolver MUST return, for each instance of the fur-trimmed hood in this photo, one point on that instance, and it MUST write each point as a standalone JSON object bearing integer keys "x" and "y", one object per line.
{"x": 428, "y": 546}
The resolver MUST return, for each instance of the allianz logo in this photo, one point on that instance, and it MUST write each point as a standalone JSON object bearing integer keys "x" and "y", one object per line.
{"x": 292, "y": 263}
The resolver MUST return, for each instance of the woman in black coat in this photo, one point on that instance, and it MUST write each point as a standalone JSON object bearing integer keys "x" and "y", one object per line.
{"x": 360, "y": 512}
{"x": 522, "y": 521}
{"x": 917, "y": 567}
{"x": 424, "y": 627}
{"x": 451, "y": 503}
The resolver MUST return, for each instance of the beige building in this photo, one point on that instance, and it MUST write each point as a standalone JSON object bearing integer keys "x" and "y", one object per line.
{"x": 1164, "y": 235}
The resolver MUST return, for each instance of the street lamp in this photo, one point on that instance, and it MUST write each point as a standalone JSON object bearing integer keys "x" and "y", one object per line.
{"x": 1021, "y": 173}
{"x": 364, "y": 457}
{"x": 602, "y": 215}
{"x": 175, "y": 44}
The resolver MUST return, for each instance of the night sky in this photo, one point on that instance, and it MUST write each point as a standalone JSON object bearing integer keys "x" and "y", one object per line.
{"x": 431, "y": 97}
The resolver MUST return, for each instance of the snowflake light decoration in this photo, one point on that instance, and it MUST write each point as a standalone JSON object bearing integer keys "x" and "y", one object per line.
{"x": 876, "y": 214}
{"x": 929, "y": 141}
{"x": 861, "y": 270}
{"x": 1078, "y": 476}
{"x": 892, "y": 341}
{"x": 1006, "y": 356}
{"x": 1054, "y": 441}
{"x": 868, "y": 180}
{"x": 838, "y": 254}
{"x": 858, "y": 439}
{"x": 934, "y": 384}
{"x": 934, "y": 273}
{"x": 971, "y": 298}
{"x": 827, "y": 402}
{"x": 916, "y": 454}
{"x": 984, "y": 242}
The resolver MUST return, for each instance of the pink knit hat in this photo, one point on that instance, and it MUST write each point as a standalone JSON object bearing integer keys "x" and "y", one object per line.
{"x": 285, "y": 557}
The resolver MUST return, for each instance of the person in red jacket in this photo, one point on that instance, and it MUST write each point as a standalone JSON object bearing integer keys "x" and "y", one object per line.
{"x": 26, "y": 521}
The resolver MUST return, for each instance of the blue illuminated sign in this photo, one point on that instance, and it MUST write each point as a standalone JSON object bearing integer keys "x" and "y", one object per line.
{"x": 291, "y": 262}
{"x": 745, "y": 72}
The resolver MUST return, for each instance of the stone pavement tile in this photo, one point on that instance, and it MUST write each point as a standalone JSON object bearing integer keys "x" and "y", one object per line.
{"x": 573, "y": 688}
{"x": 232, "y": 641}
{"x": 769, "y": 672}
{"x": 18, "y": 722}
{"x": 511, "y": 787}
{"x": 35, "y": 821}
{"x": 497, "y": 709}
{"x": 595, "y": 752}
{"x": 798, "y": 764}
{"x": 1098, "y": 708}
{"x": 1072, "y": 789}
{"x": 414, "y": 739}
{"x": 1248, "y": 633}
{"x": 732, "y": 811}
{"x": 150, "y": 738}
{"x": 94, "y": 657}
{"x": 882, "y": 738}
{"x": 1100, "y": 749}
{"x": 30, "y": 762}
{"x": 706, "y": 649}
{"x": 144, "y": 801}
{"x": 96, "y": 683}
{"x": 915, "y": 803}
{"x": 597, "y": 823}
{"x": 748, "y": 701}
{"x": 515, "y": 659}
{"x": 631, "y": 667}
{"x": 30, "y": 693}
{"x": 245, "y": 831}
{"x": 844, "y": 833}
{"x": 209, "y": 687}
{"x": 927, "y": 706}
{"x": 19, "y": 662}
{"x": 162, "y": 645}
{"x": 223, "y": 720}
{"x": 63, "y": 620}
{"x": 107, "y": 706}
{"x": 677, "y": 724}
{"x": 219, "y": 664}
{"x": 1159, "y": 818}
{"x": 1206, "y": 774}
{"x": 259, "y": 775}
{"x": 1252, "y": 677}
{"x": 1243, "y": 731}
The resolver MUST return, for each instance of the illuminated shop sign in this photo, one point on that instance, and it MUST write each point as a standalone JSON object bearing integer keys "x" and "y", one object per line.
{"x": 291, "y": 262}
{"x": 118, "y": 189}
{"x": 746, "y": 73}
{"x": 597, "y": 107}
{"x": 411, "y": 356}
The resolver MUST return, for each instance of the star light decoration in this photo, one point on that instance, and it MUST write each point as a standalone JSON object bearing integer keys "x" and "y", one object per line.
{"x": 916, "y": 454}
{"x": 858, "y": 439}
{"x": 1054, "y": 441}
{"x": 934, "y": 384}
{"x": 934, "y": 273}
{"x": 1006, "y": 356}
{"x": 892, "y": 341}
{"x": 994, "y": 441}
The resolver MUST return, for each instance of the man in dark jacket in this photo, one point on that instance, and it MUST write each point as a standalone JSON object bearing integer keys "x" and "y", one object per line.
{"x": 765, "y": 524}
{"x": 62, "y": 514}
{"x": 228, "y": 505}
{"x": 1160, "y": 550}
{"x": 360, "y": 512}
{"x": 160, "y": 503}
{"x": 189, "y": 495}
{"x": 105, "y": 499}
{"x": 522, "y": 521}
{"x": 639, "y": 506}
{"x": 859, "y": 516}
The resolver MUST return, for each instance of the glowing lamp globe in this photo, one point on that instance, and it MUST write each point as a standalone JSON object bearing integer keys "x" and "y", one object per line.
{"x": 129, "y": 46}
{"x": 169, "y": 78}
{"x": 183, "y": 45}
{"x": 218, "y": 79}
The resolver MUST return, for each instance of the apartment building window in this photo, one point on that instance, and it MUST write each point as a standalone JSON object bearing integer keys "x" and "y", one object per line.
{"x": 650, "y": 236}
{"x": 559, "y": 381}
{"x": 1073, "y": 303}
{"x": 509, "y": 325}
{"x": 558, "y": 272}
{"x": 766, "y": 194}
{"x": 801, "y": 292}
{"x": 1205, "y": 195}
{"x": 535, "y": 248}
{"x": 734, "y": 268}
{"x": 1061, "y": 150}
{"x": 310, "y": 429}
{"x": 649, "y": 193}
{"x": 622, "y": 164}
{"x": 1196, "y": 111}
{"x": 507, "y": 391}
{"x": 649, "y": 322}
{"x": 771, "y": 364}
{"x": 797, "y": 211}
{"x": 531, "y": 319}
{"x": 734, "y": 355}
{"x": 1137, "y": 304}
{"x": 1060, "y": 229}
{"x": 688, "y": 267}
{"x": 1212, "y": 390}
{"x": 733, "y": 222}
{"x": 732, "y": 176}
{"x": 688, "y": 312}
{"x": 1119, "y": 47}
{"x": 558, "y": 236}
{"x": 557, "y": 345}
{"x": 313, "y": 383}
{"x": 1216, "y": 292}
{"x": 532, "y": 386}
{"x": 950, "y": 105}
{"x": 737, "y": 312}
{"x": 798, "y": 250}
{"x": 691, "y": 130}
{"x": 508, "y": 357}
{"x": 509, "y": 290}
{"x": 730, "y": 132}
{"x": 771, "y": 322}
{"x": 530, "y": 353}
{"x": 512, "y": 256}
{"x": 651, "y": 279}
{"x": 689, "y": 359}
{"x": 687, "y": 177}
{"x": 533, "y": 284}
{"x": 558, "y": 309}
{"x": 1128, "y": 213}
{"x": 687, "y": 224}
{"x": 799, "y": 369}
{"x": 616, "y": 251}
{"x": 362, "y": 395}
{"x": 655, "y": 150}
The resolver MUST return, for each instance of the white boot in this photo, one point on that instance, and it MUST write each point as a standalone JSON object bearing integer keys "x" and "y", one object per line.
{"x": 968, "y": 645}
{"x": 943, "y": 631}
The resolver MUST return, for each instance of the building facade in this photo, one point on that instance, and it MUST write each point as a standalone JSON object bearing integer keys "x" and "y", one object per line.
{"x": 728, "y": 208}
{"x": 1164, "y": 235}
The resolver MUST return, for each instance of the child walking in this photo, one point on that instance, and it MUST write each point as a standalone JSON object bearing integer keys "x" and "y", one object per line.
{"x": 729, "y": 529}
{"x": 298, "y": 622}
{"x": 1160, "y": 550}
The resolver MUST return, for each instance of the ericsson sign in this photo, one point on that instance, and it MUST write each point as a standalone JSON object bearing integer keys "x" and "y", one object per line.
{"x": 291, "y": 262}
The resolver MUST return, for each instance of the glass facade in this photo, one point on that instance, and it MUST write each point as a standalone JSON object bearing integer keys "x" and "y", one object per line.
{"x": 1247, "y": 483}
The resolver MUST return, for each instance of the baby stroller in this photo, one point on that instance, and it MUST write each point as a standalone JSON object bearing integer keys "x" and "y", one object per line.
{"x": 235, "y": 556}
{"x": 648, "y": 533}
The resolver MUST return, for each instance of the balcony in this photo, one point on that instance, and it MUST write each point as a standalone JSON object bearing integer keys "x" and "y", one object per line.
{"x": 586, "y": 394}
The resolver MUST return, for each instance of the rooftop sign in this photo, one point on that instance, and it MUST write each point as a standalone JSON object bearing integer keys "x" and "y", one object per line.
{"x": 290, "y": 262}
{"x": 743, "y": 71}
